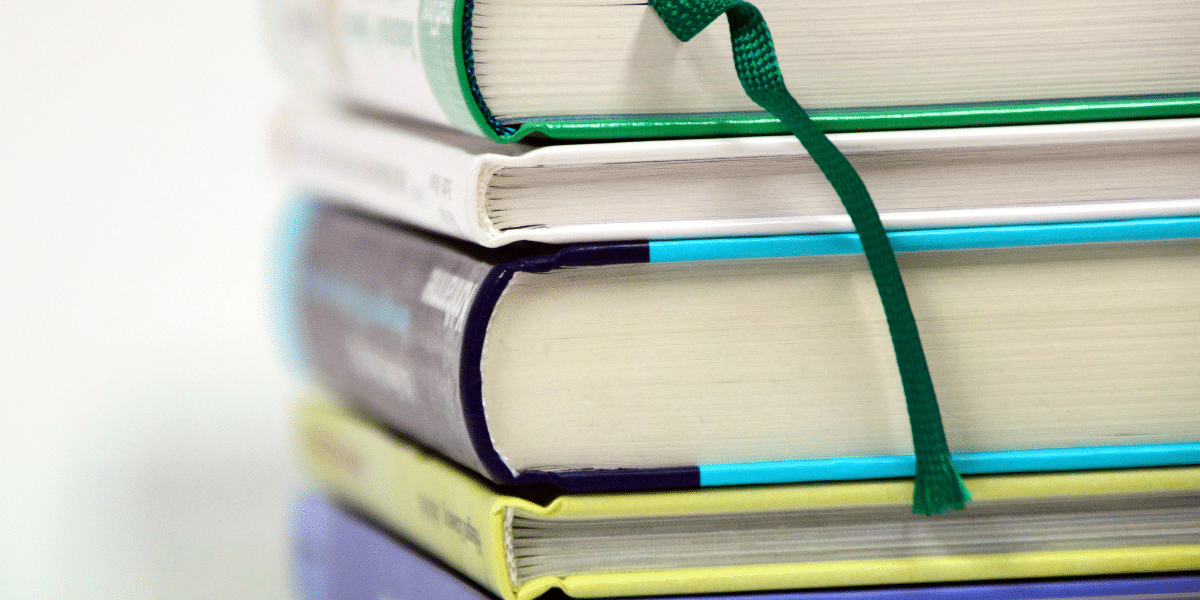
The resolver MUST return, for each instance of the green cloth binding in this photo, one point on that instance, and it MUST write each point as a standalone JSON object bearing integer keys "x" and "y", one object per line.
{"x": 938, "y": 487}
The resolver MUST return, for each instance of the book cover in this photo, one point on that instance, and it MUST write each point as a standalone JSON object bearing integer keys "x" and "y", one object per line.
{"x": 755, "y": 538}
{"x": 627, "y": 366}
{"x": 429, "y": 59}
{"x": 493, "y": 194}
{"x": 341, "y": 556}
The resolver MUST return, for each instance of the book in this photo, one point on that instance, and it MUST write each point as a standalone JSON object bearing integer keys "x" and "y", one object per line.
{"x": 757, "y": 538}
{"x": 573, "y": 70}
{"x": 492, "y": 194}
{"x": 341, "y": 556}
{"x": 753, "y": 360}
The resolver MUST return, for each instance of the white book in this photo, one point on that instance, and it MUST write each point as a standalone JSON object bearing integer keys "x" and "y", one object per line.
{"x": 493, "y": 194}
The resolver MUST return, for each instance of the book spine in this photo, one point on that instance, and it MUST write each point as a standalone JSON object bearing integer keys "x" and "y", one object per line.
{"x": 448, "y": 514}
{"x": 379, "y": 316}
{"x": 339, "y": 556}
{"x": 404, "y": 56}
{"x": 397, "y": 323}
{"x": 415, "y": 179}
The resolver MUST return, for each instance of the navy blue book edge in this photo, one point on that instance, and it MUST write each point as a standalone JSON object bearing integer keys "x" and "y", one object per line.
{"x": 446, "y": 290}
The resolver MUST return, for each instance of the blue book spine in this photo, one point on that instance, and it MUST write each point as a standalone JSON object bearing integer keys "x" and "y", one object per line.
{"x": 339, "y": 557}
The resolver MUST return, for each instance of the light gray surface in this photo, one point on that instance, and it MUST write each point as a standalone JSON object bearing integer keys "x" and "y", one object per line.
{"x": 145, "y": 412}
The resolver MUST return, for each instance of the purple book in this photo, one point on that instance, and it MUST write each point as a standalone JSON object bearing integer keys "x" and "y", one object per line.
{"x": 339, "y": 556}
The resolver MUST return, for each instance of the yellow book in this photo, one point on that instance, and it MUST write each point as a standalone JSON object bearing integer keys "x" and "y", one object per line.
{"x": 755, "y": 538}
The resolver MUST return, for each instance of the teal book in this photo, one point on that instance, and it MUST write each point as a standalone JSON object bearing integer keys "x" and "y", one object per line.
{"x": 611, "y": 69}
{"x": 685, "y": 363}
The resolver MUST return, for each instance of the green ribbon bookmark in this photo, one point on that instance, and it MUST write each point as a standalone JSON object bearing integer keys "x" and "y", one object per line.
{"x": 938, "y": 487}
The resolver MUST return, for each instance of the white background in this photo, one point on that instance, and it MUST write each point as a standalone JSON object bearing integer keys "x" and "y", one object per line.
{"x": 145, "y": 449}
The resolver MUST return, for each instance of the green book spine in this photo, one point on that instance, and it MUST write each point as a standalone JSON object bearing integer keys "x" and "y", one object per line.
{"x": 414, "y": 58}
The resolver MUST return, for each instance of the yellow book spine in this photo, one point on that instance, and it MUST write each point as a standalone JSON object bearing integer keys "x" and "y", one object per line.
{"x": 454, "y": 517}
{"x": 464, "y": 522}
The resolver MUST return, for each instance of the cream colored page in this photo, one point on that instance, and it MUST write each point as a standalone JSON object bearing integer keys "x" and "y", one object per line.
{"x": 940, "y": 51}
{"x": 656, "y": 576}
{"x": 790, "y": 358}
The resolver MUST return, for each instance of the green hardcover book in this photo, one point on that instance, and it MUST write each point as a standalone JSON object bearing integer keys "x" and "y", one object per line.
{"x": 597, "y": 69}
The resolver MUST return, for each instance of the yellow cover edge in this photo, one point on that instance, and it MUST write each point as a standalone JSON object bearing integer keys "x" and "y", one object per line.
{"x": 459, "y": 519}
{"x": 881, "y": 572}
{"x": 463, "y": 521}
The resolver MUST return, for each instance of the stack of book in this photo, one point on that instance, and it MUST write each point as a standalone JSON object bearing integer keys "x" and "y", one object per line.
{"x": 589, "y": 323}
